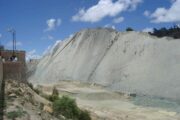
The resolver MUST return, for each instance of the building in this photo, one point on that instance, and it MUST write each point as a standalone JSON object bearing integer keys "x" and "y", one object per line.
{"x": 13, "y": 68}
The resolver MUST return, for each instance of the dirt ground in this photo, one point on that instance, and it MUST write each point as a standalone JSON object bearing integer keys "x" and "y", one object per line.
{"x": 108, "y": 105}
{"x": 102, "y": 103}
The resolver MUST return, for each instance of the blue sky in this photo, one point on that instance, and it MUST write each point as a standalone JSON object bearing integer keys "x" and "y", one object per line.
{"x": 40, "y": 23}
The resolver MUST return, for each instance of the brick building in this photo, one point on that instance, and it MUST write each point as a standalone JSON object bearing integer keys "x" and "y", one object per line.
{"x": 7, "y": 54}
{"x": 13, "y": 69}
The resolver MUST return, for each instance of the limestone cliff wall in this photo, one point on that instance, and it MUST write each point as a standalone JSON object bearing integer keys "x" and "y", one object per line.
{"x": 121, "y": 61}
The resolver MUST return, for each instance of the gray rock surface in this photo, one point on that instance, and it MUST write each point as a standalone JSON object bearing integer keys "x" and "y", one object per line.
{"x": 129, "y": 61}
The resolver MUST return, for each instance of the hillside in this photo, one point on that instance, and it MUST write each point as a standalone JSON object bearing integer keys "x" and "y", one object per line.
{"x": 130, "y": 62}
{"x": 23, "y": 103}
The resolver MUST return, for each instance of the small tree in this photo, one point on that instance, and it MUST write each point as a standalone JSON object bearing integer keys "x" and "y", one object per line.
{"x": 129, "y": 29}
{"x": 55, "y": 92}
{"x": 55, "y": 95}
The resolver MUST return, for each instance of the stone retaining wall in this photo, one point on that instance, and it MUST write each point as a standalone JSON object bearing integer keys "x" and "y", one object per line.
{"x": 13, "y": 70}
{"x": 1, "y": 73}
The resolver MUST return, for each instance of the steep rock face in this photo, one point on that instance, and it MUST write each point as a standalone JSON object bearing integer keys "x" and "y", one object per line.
{"x": 132, "y": 61}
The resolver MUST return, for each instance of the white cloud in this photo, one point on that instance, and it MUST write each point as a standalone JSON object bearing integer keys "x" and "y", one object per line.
{"x": 32, "y": 55}
{"x": 59, "y": 21}
{"x": 148, "y": 30}
{"x": 118, "y": 20}
{"x": 50, "y": 48}
{"x": 50, "y": 37}
{"x": 178, "y": 25}
{"x": 0, "y": 35}
{"x": 105, "y": 8}
{"x": 10, "y": 44}
{"x": 47, "y": 37}
{"x": 147, "y": 13}
{"x": 52, "y": 24}
{"x": 172, "y": 1}
{"x": 71, "y": 36}
{"x": 113, "y": 27}
{"x": 167, "y": 15}
{"x": 110, "y": 26}
{"x": 47, "y": 50}
{"x": 133, "y": 4}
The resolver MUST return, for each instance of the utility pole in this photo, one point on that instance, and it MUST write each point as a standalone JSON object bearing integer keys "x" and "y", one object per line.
{"x": 13, "y": 32}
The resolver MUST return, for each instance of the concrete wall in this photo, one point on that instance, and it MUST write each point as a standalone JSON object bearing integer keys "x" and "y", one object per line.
{"x": 1, "y": 70}
{"x": 13, "y": 70}
{"x": 1, "y": 73}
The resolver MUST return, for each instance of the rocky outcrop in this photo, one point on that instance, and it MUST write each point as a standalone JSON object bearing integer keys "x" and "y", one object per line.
{"x": 130, "y": 61}
{"x": 23, "y": 103}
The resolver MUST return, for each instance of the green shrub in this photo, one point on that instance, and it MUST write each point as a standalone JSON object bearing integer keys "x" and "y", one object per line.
{"x": 53, "y": 98}
{"x": 84, "y": 115}
{"x": 67, "y": 107}
{"x": 30, "y": 85}
{"x": 15, "y": 114}
{"x": 36, "y": 90}
{"x": 12, "y": 115}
